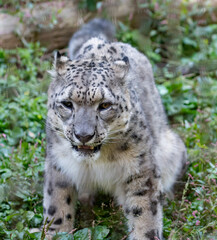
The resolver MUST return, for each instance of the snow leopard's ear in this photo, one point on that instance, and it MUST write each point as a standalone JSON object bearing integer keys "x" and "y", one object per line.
{"x": 59, "y": 64}
{"x": 121, "y": 67}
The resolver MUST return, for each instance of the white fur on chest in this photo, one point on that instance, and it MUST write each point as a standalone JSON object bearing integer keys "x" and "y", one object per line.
{"x": 94, "y": 173}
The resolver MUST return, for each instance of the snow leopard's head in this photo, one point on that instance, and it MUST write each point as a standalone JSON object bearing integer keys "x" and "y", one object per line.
{"x": 88, "y": 102}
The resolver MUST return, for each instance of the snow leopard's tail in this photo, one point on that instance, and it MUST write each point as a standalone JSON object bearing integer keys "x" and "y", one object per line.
{"x": 95, "y": 28}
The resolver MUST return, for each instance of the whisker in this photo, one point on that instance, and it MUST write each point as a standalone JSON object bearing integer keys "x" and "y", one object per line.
{"x": 108, "y": 140}
{"x": 53, "y": 127}
{"x": 114, "y": 131}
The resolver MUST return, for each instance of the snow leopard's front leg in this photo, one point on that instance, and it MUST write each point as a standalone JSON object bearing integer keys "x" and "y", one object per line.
{"x": 59, "y": 199}
{"x": 143, "y": 206}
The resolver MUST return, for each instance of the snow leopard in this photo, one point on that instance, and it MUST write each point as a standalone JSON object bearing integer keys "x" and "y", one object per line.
{"x": 107, "y": 130}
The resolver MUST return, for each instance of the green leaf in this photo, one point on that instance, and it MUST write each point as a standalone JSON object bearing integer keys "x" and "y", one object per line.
{"x": 100, "y": 232}
{"x": 2, "y": 193}
{"x": 5, "y": 173}
{"x": 36, "y": 220}
{"x": 19, "y": 226}
{"x": 62, "y": 236}
{"x": 162, "y": 90}
{"x": 82, "y": 234}
{"x": 29, "y": 215}
{"x": 190, "y": 42}
{"x": 36, "y": 235}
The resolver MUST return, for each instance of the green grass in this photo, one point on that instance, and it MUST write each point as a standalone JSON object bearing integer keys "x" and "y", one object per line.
{"x": 190, "y": 102}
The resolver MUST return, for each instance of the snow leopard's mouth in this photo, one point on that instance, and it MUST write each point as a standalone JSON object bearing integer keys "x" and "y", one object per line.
{"x": 85, "y": 149}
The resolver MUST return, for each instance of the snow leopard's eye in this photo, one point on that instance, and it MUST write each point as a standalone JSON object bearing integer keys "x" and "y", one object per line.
{"x": 67, "y": 104}
{"x": 104, "y": 106}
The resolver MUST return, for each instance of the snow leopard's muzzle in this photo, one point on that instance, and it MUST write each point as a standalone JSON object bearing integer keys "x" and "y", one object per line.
{"x": 85, "y": 132}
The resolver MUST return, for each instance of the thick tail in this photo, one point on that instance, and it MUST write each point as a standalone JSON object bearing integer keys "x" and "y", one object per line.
{"x": 95, "y": 28}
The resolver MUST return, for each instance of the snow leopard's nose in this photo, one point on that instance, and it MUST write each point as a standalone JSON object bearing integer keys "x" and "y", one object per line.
{"x": 84, "y": 137}
{"x": 85, "y": 124}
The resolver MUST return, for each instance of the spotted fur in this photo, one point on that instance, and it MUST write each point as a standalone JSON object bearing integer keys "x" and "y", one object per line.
{"x": 106, "y": 129}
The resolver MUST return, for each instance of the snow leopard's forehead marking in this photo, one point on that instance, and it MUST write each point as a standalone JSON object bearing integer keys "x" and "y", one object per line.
{"x": 88, "y": 80}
